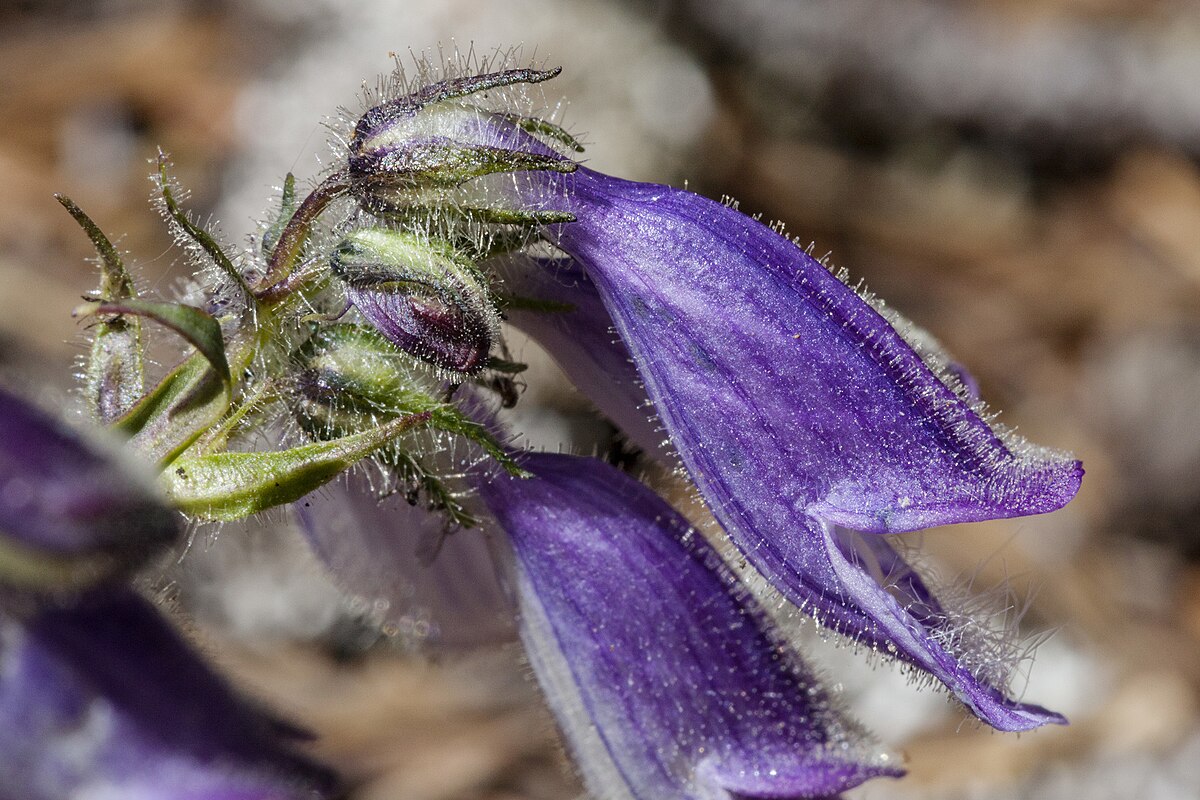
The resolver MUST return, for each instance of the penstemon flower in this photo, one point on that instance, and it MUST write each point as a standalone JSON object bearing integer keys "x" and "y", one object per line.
{"x": 665, "y": 675}
{"x": 366, "y": 328}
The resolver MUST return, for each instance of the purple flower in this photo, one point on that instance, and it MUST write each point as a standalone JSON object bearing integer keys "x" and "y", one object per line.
{"x": 73, "y": 509}
{"x": 102, "y": 699}
{"x": 797, "y": 407}
{"x": 430, "y": 586}
{"x": 664, "y": 673}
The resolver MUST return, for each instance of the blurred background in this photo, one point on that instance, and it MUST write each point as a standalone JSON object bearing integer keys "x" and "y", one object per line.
{"x": 1019, "y": 177}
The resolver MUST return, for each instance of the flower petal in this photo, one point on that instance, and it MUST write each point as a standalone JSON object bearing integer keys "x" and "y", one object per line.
{"x": 582, "y": 342}
{"x": 796, "y": 406}
{"x": 374, "y": 549}
{"x": 101, "y": 698}
{"x": 746, "y": 341}
{"x": 663, "y": 671}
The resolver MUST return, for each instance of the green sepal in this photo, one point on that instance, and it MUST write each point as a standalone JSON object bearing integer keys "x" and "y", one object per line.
{"x": 115, "y": 281}
{"x": 114, "y": 378}
{"x": 195, "y": 325}
{"x": 287, "y": 207}
{"x": 467, "y": 85}
{"x": 187, "y": 402}
{"x": 229, "y": 486}
{"x": 448, "y": 165}
{"x": 354, "y": 374}
{"x": 382, "y": 259}
{"x": 540, "y": 127}
{"x": 194, "y": 232}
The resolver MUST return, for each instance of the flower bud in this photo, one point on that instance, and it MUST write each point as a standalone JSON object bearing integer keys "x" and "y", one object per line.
{"x": 421, "y": 294}
{"x": 72, "y": 512}
{"x": 351, "y": 378}
{"x": 430, "y": 140}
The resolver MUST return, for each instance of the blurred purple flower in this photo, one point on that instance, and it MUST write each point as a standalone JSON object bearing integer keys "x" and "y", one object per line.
{"x": 74, "y": 509}
{"x": 664, "y": 673}
{"x": 102, "y": 699}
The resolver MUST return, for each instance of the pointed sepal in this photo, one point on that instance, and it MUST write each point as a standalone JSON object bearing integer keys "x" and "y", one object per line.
{"x": 228, "y": 486}
{"x": 114, "y": 378}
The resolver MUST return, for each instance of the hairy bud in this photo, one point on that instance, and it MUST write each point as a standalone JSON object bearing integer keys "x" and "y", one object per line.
{"x": 421, "y": 294}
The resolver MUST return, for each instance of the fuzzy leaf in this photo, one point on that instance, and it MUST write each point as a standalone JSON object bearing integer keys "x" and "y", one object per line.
{"x": 195, "y": 325}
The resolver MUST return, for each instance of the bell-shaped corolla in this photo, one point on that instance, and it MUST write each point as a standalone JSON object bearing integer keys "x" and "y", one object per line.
{"x": 664, "y": 673}
{"x": 797, "y": 406}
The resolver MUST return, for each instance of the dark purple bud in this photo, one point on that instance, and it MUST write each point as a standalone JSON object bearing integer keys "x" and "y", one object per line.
{"x": 103, "y": 699}
{"x": 421, "y": 294}
{"x": 74, "y": 509}
{"x": 664, "y": 673}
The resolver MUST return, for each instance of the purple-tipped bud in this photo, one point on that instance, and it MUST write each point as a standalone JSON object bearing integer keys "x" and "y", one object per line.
{"x": 430, "y": 140}
{"x": 421, "y": 294}
{"x": 73, "y": 511}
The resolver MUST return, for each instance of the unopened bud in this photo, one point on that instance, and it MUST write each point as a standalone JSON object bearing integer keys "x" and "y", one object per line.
{"x": 434, "y": 140}
{"x": 421, "y": 294}
{"x": 352, "y": 378}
